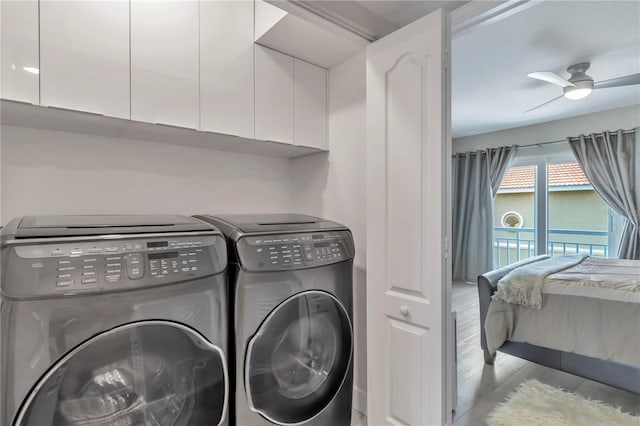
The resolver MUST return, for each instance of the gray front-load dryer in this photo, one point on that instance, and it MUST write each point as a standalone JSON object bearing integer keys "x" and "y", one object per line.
{"x": 113, "y": 320}
{"x": 291, "y": 282}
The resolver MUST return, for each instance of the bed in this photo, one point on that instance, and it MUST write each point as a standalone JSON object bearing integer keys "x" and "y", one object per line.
{"x": 581, "y": 327}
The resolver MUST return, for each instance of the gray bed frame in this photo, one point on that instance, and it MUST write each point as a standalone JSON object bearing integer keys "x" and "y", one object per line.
{"x": 607, "y": 372}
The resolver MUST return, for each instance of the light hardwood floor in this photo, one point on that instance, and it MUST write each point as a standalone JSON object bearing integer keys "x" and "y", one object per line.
{"x": 481, "y": 387}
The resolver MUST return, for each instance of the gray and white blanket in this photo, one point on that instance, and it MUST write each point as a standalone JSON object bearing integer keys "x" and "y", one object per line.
{"x": 523, "y": 286}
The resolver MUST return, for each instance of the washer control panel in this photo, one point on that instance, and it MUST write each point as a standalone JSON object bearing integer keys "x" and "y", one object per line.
{"x": 291, "y": 251}
{"x": 74, "y": 267}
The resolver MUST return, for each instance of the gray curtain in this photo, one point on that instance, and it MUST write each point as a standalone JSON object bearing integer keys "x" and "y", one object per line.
{"x": 476, "y": 179}
{"x": 610, "y": 161}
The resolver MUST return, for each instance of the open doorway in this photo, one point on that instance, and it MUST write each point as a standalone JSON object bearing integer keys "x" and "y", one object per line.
{"x": 544, "y": 204}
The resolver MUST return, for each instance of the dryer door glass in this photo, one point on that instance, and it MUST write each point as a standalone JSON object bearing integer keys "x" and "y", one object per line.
{"x": 299, "y": 357}
{"x": 143, "y": 373}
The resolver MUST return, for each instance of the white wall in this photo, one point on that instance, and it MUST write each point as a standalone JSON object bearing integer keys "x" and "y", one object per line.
{"x": 50, "y": 172}
{"x": 620, "y": 118}
{"x": 333, "y": 185}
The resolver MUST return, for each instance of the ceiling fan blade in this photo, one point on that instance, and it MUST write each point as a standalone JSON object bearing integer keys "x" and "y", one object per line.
{"x": 541, "y": 105}
{"x": 550, "y": 77}
{"x": 627, "y": 80}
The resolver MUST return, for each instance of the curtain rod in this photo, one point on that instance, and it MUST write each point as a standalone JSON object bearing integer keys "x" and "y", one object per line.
{"x": 538, "y": 144}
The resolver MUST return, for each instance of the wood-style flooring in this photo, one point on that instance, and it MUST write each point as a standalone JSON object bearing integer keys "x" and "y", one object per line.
{"x": 481, "y": 387}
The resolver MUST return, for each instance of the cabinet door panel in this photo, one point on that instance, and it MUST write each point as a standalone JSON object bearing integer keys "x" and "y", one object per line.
{"x": 19, "y": 51}
{"x": 226, "y": 67}
{"x": 84, "y": 51}
{"x": 164, "y": 62}
{"x": 274, "y": 95}
{"x": 309, "y": 105}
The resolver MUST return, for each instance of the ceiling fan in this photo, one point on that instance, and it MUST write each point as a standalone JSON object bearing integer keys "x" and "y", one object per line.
{"x": 580, "y": 85}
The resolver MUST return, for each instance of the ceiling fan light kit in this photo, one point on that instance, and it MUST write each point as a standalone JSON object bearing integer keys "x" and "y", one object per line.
{"x": 580, "y": 90}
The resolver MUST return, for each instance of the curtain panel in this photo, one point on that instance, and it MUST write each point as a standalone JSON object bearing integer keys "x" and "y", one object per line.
{"x": 476, "y": 179}
{"x": 611, "y": 162}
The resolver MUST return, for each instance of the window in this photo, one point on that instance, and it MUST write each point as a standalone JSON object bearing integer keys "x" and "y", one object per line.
{"x": 560, "y": 212}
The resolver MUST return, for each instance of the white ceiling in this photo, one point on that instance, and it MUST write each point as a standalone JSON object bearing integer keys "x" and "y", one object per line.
{"x": 403, "y": 12}
{"x": 490, "y": 89}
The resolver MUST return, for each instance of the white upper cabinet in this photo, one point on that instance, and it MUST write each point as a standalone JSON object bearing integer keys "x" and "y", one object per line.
{"x": 165, "y": 62}
{"x": 309, "y": 105}
{"x": 19, "y": 51}
{"x": 226, "y": 67}
{"x": 84, "y": 53}
{"x": 274, "y": 95}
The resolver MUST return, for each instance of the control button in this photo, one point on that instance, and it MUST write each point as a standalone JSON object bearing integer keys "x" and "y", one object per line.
{"x": 165, "y": 272}
{"x": 192, "y": 260}
{"x": 111, "y": 249}
{"x": 194, "y": 268}
{"x": 112, "y": 278}
{"x": 137, "y": 246}
{"x": 76, "y": 252}
{"x": 111, "y": 271}
{"x": 90, "y": 280}
{"x": 114, "y": 258}
{"x": 197, "y": 243}
{"x": 113, "y": 265}
{"x": 172, "y": 243}
{"x": 89, "y": 260}
{"x": 89, "y": 273}
{"x": 154, "y": 273}
{"x": 175, "y": 271}
{"x": 57, "y": 252}
{"x": 64, "y": 262}
{"x": 259, "y": 250}
{"x": 88, "y": 266}
{"x": 192, "y": 253}
{"x": 185, "y": 269}
{"x": 308, "y": 256}
{"x": 128, "y": 246}
{"x": 134, "y": 259}
{"x": 94, "y": 250}
{"x": 64, "y": 283}
{"x": 67, "y": 268}
{"x": 61, "y": 276}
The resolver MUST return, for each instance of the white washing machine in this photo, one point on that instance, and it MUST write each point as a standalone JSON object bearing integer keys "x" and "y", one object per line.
{"x": 113, "y": 320}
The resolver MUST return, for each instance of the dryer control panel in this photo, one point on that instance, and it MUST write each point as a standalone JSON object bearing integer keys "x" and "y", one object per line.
{"x": 294, "y": 251}
{"x": 111, "y": 264}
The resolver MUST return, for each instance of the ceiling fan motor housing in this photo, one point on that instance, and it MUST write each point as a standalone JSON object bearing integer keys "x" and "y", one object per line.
{"x": 581, "y": 81}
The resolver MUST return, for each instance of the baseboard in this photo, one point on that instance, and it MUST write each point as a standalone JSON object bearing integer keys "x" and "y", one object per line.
{"x": 360, "y": 400}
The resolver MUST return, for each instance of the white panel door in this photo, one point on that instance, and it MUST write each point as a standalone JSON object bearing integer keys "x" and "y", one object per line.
{"x": 226, "y": 67}
{"x": 164, "y": 62}
{"x": 274, "y": 95}
{"x": 407, "y": 225}
{"x": 309, "y": 105}
{"x": 19, "y": 63}
{"x": 84, "y": 56}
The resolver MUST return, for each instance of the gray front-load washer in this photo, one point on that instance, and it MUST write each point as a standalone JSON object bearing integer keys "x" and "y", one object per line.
{"x": 291, "y": 285}
{"x": 113, "y": 320}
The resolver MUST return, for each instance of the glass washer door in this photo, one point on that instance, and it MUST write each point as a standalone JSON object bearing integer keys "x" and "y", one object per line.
{"x": 145, "y": 373}
{"x": 299, "y": 357}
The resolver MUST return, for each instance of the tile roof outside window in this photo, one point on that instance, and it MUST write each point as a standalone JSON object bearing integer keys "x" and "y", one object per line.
{"x": 559, "y": 174}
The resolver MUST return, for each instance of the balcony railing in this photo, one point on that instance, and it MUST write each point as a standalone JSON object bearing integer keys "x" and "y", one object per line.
{"x": 512, "y": 244}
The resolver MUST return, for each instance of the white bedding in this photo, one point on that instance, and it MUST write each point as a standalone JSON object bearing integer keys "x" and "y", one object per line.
{"x": 592, "y": 309}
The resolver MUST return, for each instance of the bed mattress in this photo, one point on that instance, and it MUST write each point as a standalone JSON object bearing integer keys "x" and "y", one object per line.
{"x": 591, "y": 309}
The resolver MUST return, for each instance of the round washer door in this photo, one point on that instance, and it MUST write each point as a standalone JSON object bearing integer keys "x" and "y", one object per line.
{"x": 299, "y": 358}
{"x": 142, "y": 373}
